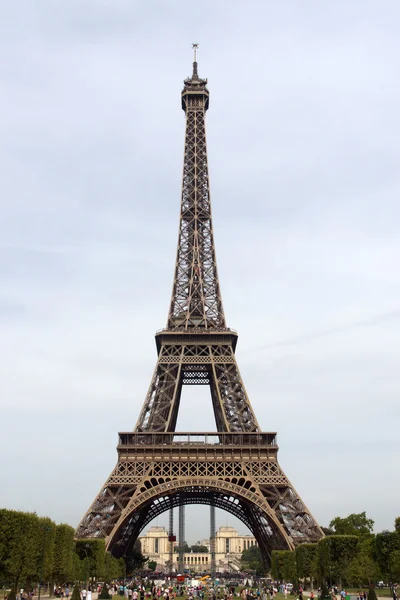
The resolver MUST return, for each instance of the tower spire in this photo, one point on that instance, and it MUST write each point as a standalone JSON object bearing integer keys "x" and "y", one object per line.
{"x": 195, "y": 73}
{"x": 196, "y": 298}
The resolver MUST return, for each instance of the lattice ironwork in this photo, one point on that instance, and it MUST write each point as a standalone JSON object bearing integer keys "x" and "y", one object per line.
{"x": 235, "y": 469}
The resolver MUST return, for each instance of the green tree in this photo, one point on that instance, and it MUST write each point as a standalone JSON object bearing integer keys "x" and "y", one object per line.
{"x": 354, "y": 524}
{"x": 20, "y": 546}
{"x": 152, "y": 565}
{"x": 93, "y": 554}
{"x": 276, "y": 565}
{"x": 104, "y": 594}
{"x": 252, "y": 560}
{"x": 185, "y": 547}
{"x": 385, "y": 544}
{"x": 78, "y": 573}
{"x": 283, "y": 565}
{"x": 45, "y": 540}
{"x": 363, "y": 568}
{"x": 395, "y": 565}
{"x": 135, "y": 559}
{"x": 372, "y": 593}
{"x": 64, "y": 546}
{"x": 334, "y": 554}
{"x": 306, "y": 555}
{"x": 199, "y": 548}
{"x": 114, "y": 567}
{"x": 76, "y": 595}
{"x": 397, "y": 524}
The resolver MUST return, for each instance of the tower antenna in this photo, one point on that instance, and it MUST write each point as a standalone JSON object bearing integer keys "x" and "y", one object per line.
{"x": 195, "y": 46}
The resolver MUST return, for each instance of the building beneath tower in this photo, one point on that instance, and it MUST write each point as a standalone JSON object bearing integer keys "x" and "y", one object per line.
{"x": 229, "y": 545}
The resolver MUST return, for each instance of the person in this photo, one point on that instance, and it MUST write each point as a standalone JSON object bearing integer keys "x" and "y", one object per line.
{"x": 84, "y": 594}
{"x": 89, "y": 594}
{"x": 67, "y": 592}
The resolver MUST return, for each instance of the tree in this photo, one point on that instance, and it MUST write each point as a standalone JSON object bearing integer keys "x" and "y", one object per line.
{"x": 135, "y": 560}
{"x": 306, "y": 561}
{"x": 185, "y": 548}
{"x": 354, "y": 524}
{"x": 334, "y": 554}
{"x": 252, "y": 560}
{"x": 395, "y": 565}
{"x": 152, "y": 565}
{"x": 76, "y": 595}
{"x": 283, "y": 565}
{"x": 93, "y": 554}
{"x": 363, "y": 568}
{"x": 104, "y": 594}
{"x": 397, "y": 524}
{"x": 64, "y": 547}
{"x": 20, "y": 547}
{"x": 372, "y": 593}
{"x": 385, "y": 544}
{"x": 199, "y": 548}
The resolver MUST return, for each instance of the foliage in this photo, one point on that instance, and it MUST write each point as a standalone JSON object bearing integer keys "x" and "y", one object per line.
{"x": 93, "y": 553}
{"x": 385, "y": 545}
{"x": 395, "y": 565}
{"x": 26, "y": 547}
{"x": 305, "y": 560}
{"x": 363, "y": 568}
{"x": 335, "y": 553}
{"x": 152, "y": 565}
{"x": 199, "y": 548}
{"x": 372, "y": 593}
{"x": 76, "y": 595}
{"x": 104, "y": 594}
{"x": 135, "y": 560}
{"x": 112, "y": 567}
{"x": 354, "y": 524}
{"x": 324, "y": 593}
{"x": 397, "y": 524}
{"x": 252, "y": 560}
{"x": 185, "y": 547}
{"x": 283, "y": 565}
{"x": 64, "y": 546}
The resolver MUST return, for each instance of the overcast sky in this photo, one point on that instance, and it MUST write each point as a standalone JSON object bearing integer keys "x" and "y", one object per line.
{"x": 303, "y": 138}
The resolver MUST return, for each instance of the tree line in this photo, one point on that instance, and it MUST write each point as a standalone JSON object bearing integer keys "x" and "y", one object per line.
{"x": 350, "y": 555}
{"x": 35, "y": 549}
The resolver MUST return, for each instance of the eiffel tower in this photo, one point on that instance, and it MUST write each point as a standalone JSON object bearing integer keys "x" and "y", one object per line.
{"x": 235, "y": 469}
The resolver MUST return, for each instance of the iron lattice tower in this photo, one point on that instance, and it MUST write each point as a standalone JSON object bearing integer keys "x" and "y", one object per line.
{"x": 236, "y": 468}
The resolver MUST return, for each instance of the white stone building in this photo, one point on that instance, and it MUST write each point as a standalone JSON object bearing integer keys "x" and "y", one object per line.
{"x": 229, "y": 546}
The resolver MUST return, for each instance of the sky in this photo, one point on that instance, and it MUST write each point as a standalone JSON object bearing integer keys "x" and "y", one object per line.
{"x": 303, "y": 146}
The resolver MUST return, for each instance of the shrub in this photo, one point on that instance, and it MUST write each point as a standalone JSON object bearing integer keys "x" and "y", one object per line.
{"x": 325, "y": 593}
{"x": 104, "y": 594}
{"x": 76, "y": 594}
{"x": 372, "y": 593}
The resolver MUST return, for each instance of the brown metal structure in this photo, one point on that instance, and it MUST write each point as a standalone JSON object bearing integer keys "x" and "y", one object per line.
{"x": 235, "y": 469}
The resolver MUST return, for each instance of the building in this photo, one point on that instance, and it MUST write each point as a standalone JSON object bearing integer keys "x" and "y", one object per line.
{"x": 229, "y": 546}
